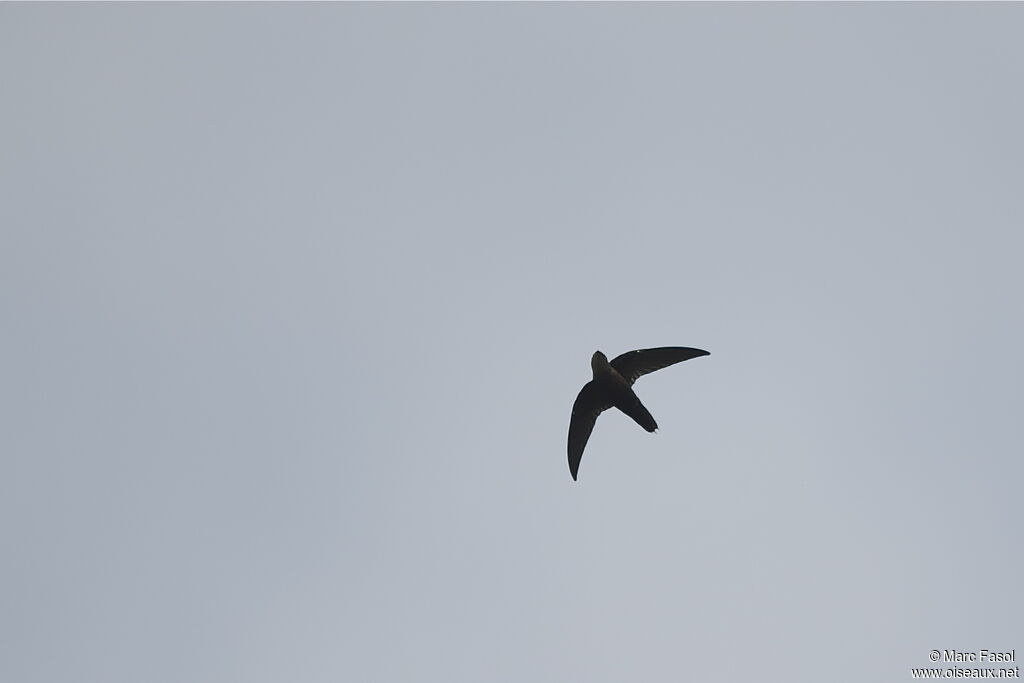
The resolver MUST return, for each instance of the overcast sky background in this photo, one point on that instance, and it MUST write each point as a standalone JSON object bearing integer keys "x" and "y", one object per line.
{"x": 296, "y": 301}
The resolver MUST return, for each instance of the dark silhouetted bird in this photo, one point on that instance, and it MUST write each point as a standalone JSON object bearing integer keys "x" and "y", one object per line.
{"x": 612, "y": 387}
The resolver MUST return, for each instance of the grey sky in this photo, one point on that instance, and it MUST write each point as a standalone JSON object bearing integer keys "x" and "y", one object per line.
{"x": 296, "y": 301}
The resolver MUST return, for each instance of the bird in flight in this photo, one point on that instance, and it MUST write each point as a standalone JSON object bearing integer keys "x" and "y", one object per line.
{"x": 612, "y": 387}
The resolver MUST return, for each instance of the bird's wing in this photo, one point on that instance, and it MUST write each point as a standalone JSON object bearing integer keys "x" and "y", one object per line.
{"x": 635, "y": 364}
{"x": 590, "y": 403}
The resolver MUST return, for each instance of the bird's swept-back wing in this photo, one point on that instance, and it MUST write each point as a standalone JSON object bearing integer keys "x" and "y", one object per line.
{"x": 635, "y": 364}
{"x": 590, "y": 403}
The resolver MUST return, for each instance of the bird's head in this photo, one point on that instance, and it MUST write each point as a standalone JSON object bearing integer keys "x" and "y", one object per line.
{"x": 598, "y": 361}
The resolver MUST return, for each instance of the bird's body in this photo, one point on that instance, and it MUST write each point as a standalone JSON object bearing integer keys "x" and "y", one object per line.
{"x": 612, "y": 387}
